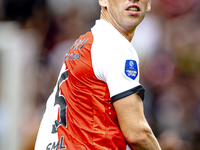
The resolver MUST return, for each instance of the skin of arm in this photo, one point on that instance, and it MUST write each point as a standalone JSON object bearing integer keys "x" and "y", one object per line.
{"x": 133, "y": 124}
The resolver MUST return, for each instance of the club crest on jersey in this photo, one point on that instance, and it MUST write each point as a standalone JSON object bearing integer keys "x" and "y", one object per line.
{"x": 131, "y": 69}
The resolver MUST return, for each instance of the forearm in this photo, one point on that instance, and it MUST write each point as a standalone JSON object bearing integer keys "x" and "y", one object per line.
{"x": 133, "y": 124}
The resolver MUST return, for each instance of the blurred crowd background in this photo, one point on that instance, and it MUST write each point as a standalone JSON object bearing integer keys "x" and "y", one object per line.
{"x": 38, "y": 33}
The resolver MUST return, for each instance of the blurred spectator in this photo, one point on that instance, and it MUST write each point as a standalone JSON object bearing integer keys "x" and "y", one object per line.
{"x": 22, "y": 30}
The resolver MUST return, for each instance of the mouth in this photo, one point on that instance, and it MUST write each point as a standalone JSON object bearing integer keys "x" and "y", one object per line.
{"x": 133, "y": 8}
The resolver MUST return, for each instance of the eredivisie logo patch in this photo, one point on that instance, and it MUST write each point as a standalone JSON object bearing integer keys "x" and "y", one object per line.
{"x": 131, "y": 69}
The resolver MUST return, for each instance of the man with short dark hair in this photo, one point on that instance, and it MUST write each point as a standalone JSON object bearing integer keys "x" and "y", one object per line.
{"x": 98, "y": 95}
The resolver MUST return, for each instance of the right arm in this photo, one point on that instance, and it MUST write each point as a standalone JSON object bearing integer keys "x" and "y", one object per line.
{"x": 133, "y": 124}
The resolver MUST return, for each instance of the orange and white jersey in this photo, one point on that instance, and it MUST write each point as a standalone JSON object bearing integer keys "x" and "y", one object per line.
{"x": 100, "y": 68}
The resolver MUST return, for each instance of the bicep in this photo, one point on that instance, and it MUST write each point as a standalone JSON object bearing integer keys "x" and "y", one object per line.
{"x": 130, "y": 114}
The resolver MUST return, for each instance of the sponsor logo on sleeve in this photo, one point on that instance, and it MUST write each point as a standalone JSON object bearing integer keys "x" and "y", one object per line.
{"x": 131, "y": 69}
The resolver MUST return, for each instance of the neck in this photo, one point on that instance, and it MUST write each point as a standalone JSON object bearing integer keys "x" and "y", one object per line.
{"x": 128, "y": 34}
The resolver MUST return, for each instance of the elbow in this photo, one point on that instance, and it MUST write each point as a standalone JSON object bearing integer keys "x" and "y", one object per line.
{"x": 139, "y": 138}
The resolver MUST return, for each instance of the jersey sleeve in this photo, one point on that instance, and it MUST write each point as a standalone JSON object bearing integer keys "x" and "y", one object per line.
{"x": 118, "y": 67}
{"x": 123, "y": 80}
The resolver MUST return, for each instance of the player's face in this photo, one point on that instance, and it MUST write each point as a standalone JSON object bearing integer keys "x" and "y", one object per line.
{"x": 127, "y": 13}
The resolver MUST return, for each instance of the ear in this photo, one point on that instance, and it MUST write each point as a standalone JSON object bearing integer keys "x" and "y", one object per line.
{"x": 149, "y": 6}
{"x": 103, "y": 3}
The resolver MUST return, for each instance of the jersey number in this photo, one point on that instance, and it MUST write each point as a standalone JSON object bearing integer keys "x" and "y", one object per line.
{"x": 60, "y": 100}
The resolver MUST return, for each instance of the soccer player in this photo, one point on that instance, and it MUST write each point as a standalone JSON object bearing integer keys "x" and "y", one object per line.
{"x": 97, "y": 102}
